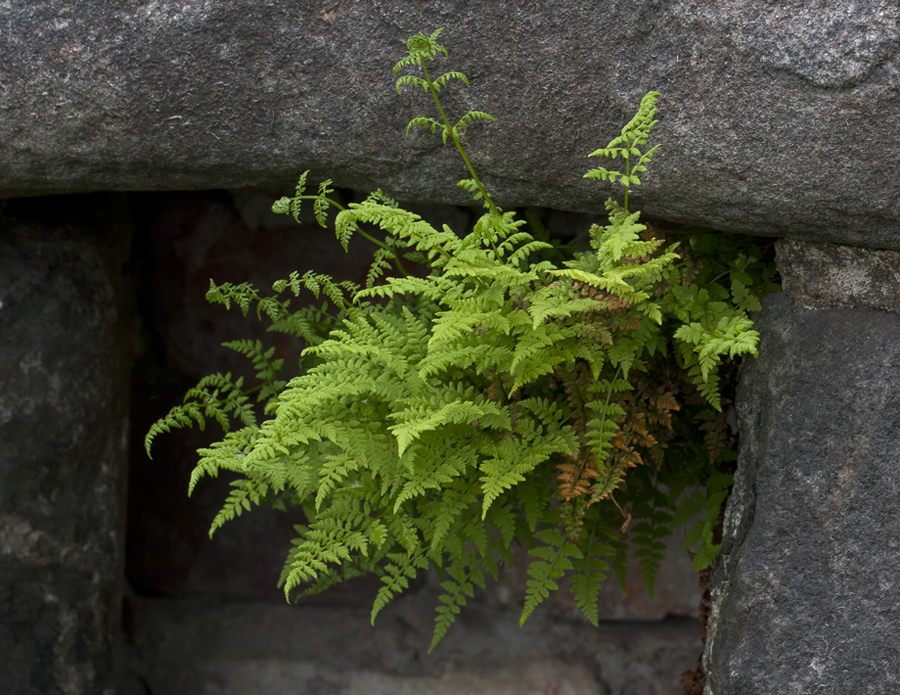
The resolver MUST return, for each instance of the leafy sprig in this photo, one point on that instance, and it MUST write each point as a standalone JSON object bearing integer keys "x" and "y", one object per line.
{"x": 634, "y": 135}
{"x": 420, "y": 50}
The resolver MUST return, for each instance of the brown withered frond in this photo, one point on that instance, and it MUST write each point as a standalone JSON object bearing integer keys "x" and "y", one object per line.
{"x": 576, "y": 477}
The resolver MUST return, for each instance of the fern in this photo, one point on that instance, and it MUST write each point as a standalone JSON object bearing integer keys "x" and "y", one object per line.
{"x": 635, "y": 133}
{"x": 519, "y": 392}
{"x": 554, "y": 560}
{"x": 588, "y": 574}
{"x": 648, "y": 534}
{"x": 246, "y": 493}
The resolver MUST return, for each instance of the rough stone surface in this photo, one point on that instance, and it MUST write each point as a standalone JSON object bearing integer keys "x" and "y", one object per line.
{"x": 63, "y": 425}
{"x": 805, "y": 595}
{"x": 818, "y": 275}
{"x": 189, "y": 646}
{"x": 778, "y": 118}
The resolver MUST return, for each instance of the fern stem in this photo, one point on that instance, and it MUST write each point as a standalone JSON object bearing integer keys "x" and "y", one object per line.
{"x": 315, "y": 197}
{"x": 627, "y": 157}
{"x": 403, "y": 271}
{"x": 455, "y": 135}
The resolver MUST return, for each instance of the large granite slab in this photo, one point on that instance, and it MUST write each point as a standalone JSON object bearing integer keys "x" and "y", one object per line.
{"x": 805, "y": 595}
{"x": 777, "y": 118}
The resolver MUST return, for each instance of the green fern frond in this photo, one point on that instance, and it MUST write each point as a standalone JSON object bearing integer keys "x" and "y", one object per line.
{"x": 214, "y": 397}
{"x": 456, "y": 593}
{"x": 501, "y": 474}
{"x": 428, "y": 123}
{"x": 266, "y": 367}
{"x": 417, "y": 419}
{"x": 381, "y": 198}
{"x": 471, "y": 185}
{"x": 463, "y": 123}
{"x": 447, "y": 76}
{"x": 396, "y": 577}
{"x": 177, "y": 418}
{"x": 421, "y": 48}
{"x": 588, "y": 574}
{"x": 322, "y": 202}
{"x": 414, "y": 81}
{"x": 245, "y": 494}
{"x": 291, "y": 206}
{"x": 554, "y": 558}
{"x": 228, "y": 454}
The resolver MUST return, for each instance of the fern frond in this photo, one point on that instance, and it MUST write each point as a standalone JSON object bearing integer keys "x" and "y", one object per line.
{"x": 332, "y": 473}
{"x": 379, "y": 197}
{"x": 447, "y": 76}
{"x": 417, "y": 419}
{"x": 177, "y": 418}
{"x": 322, "y": 202}
{"x": 403, "y": 225}
{"x": 414, "y": 81}
{"x": 448, "y": 512}
{"x": 454, "y": 597}
{"x": 214, "y": 397}
{"x": 471, "y": 186}
{"x": 588, "y": 573}
{"x": 642, "y": 122}
{"x": 428, "y": 123}
{"x": 463, "y": 123}
{"x": 266, "y": 367}
{"x": 291, "y": 206}
{"x": 420, "y": 48}
{"x": 396, "y": 577}
{"x": 554, "y": 559}
{"x": 513, "y": 460}
{"x": 228, "y": 454}
{"x": 435, "y": 474}
{"x": 245, "y": 494}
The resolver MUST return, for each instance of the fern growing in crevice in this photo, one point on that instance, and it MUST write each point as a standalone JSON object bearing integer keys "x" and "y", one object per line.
{"x": 509, "y": 396}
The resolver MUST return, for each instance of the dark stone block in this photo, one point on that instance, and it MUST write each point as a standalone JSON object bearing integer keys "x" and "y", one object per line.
{"x": 65, "y": 346}
{"x": 805, "y": 594}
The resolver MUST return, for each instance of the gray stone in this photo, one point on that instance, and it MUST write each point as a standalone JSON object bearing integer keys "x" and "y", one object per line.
{"x": 805, "y": 595}
{"x": 776, "y": 118}
{"x": 64, "y": 347}
{"x": 188, "y": 646}
{"x": 819, "y": 275}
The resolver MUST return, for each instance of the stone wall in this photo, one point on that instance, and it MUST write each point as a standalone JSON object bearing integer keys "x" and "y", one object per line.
{"x": 776, "y": 119}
